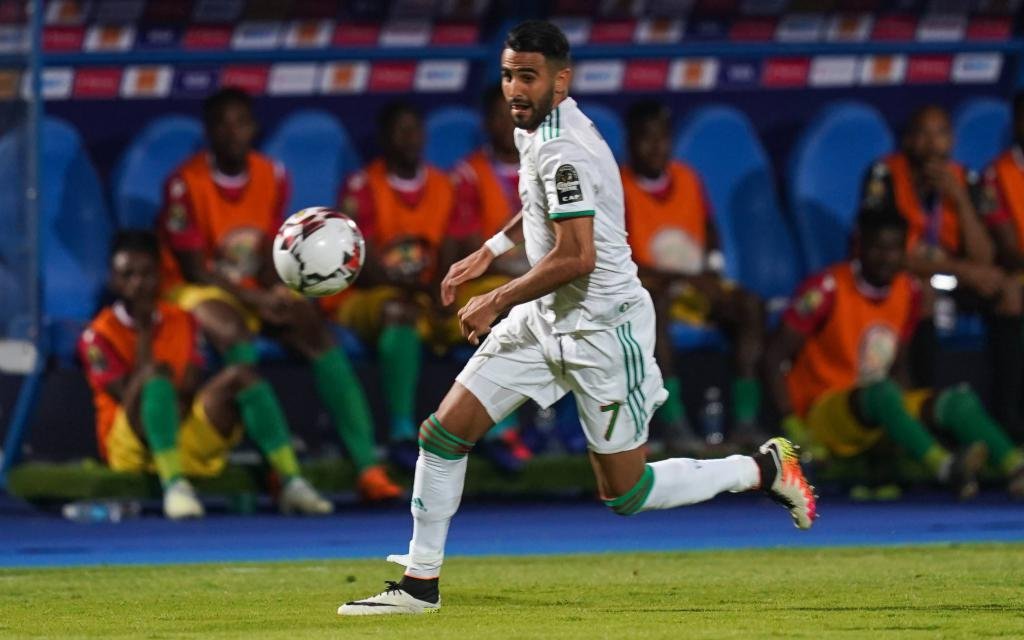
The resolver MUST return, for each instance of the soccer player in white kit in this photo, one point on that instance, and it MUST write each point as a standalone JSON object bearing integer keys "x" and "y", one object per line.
{"x": 579, "y": 321}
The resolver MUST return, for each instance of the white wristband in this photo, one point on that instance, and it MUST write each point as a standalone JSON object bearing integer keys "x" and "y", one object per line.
{"x": 499, "y": 244}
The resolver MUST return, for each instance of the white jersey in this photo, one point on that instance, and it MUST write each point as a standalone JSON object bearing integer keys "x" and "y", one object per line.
{"x": 567, "y": 170}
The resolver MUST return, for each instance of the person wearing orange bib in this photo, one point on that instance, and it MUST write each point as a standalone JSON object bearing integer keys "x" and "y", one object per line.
{"x": 404, "y": 208}
{"x": 142, "y": 360}
{"x": 486, "y": 184}
{"x": 1004, "y": 192}
{"x": 222, "y": 209}
{"x": 837, "y": 369}
{"x": 672, "y": 234}
{"x": 944, "y": 205}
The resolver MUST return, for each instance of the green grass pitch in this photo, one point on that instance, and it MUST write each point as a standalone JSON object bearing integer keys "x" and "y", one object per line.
{"x": 960, "y": 591}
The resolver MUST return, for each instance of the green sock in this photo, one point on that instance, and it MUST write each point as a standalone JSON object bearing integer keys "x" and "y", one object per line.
{"x": 241, "y": 353}
{"x": 881, "y": 403}
{"x": 266, "y": 425}
{"x": 673, "y": 410}
{"x": 746, "y": 400}
{"x": 399, "y": 350}
{"x": 500, "y": 428}
{"x": 342, "y": 393}
{"x": 160, "y": 422}
{"x": 959, "y": 410}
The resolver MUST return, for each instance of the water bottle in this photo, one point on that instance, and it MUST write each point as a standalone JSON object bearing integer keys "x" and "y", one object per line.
{"x": 712, "y": 417}
{"x": 92, "y": 511}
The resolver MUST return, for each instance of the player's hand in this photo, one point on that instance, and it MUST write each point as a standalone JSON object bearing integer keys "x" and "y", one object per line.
{"x": 476, "y": 318}
{"x": 986, "y": 280}
{"x": 469, "y": 268}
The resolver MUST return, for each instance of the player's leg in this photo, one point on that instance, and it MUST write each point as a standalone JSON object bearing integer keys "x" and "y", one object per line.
{"x": 445, "y": 439}
{"x": 342, "y": 393}
{"x": 615, "y": 411}
{"x": 882, "y": 404}
{"x": 148, "y": 427}
{"x": 238, "y": 395}
{"x": 679, "y": 434}
{"x": 399, "y": 352}
{"x": 959, "y": 411}
{"x": 507, "y": 367}
{"x": 223, "y": 324}
{"x": 741, "y": 313}
{"x": 1006, "y": 355}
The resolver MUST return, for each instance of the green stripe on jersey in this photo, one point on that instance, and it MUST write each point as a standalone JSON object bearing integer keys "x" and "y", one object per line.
{"x": 565, "y": 215}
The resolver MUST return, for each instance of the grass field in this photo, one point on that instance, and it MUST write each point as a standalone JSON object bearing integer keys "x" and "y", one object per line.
{"x": 969, "y": 591}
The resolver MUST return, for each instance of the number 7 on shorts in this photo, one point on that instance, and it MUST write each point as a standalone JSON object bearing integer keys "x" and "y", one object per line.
{"x": 614, "y": 408}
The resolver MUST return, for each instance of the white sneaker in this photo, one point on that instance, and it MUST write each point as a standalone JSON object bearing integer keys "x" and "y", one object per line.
{"x": 180, "y": 501}
{"x": 392, "y": 600}
{"x": 298, "y": 496}
{"x": 790, "y": 488}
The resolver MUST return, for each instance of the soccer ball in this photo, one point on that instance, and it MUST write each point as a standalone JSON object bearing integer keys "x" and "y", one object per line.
{"x": 319, "y": 251}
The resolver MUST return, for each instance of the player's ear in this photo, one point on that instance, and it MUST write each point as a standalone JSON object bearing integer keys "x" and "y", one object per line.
{"x": 563, "y": 77}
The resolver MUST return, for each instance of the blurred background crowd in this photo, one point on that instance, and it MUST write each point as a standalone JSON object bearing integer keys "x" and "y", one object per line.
{"x": 826, "y": 201}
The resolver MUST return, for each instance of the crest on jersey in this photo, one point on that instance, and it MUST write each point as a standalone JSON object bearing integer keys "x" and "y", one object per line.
{"x": 567, "y": 184}
{"x": 877, "y": 352}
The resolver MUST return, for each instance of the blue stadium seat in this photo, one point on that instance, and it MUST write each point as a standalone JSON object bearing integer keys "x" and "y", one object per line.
{"x": 13, "y": 249}
{"x": 610, "y": 127}
{"x": 139, "y": 175}
{"x": 75, "y": 230}
{"x": 318, "y": 153}
{"x": 982, "y": 130}
{"x": 723, "y": 147}
{"x": 452, "y": 133}
{"x": 825, "y": 171}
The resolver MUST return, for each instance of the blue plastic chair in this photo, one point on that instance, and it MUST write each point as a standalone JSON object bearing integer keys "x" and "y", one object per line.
{"x": 825, "y": 172}
{"x": 982, "y": 129}
{"x": 452, "y": 134}
{"x": 318, "y": 153}
{"x": 722, "y": 145}
{"x": 609, "y": 125}
{"x": 13, "y": 249}
{"x": 143, "y": 168}
{"x": 75, "y": 230}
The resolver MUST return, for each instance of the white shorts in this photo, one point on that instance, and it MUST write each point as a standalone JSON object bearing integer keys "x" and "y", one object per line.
{"x": 612, "y": 373}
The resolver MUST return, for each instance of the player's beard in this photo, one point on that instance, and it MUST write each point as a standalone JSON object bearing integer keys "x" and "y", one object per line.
{"x": 538, "y": 111}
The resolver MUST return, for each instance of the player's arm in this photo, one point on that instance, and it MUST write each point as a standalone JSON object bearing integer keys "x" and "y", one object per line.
{"x": 572, "y": 257}
{"x": 807, "y": 313}
{"x": 977, "y": 245}
{"x": 476, "y": 264}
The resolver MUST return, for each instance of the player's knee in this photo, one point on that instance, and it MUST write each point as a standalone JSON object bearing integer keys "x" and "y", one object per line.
{"x": 751, "y": 310}
{"x": 435, "y": 439}
{"x": 223, "y": 323}
{"x": 884, "y": 392}
{"x": 632, "y": 502}
{"x": 240, "y": 376}
{"x": 156, "y": 371}
{"x": 957, "y": 403}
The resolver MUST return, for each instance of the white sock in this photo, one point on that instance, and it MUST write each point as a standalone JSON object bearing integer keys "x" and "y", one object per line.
{"x": 679, "y": 481}
{"x": 436, "y": 494}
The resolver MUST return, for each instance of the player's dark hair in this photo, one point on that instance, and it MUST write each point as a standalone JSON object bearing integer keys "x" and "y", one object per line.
{"x": 215, "y": 103}
{"x": 873, "y": 220}
{"x": 539, "y": 36}
{"x": 491, "y": 94}
{"x": 137, "y": 240}
{"x": 644, "y": 111}
{"x": 917, "y": 117}
{"x": 391, "y": 112}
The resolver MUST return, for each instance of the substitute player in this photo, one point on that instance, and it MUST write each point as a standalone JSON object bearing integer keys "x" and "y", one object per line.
{"x": 674, "y": 242}
{"x": 222, "y": 209}
{"x": 845, "y": 334}
{"x": 578, "y": 322}
{"x": 142, "y": 360}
